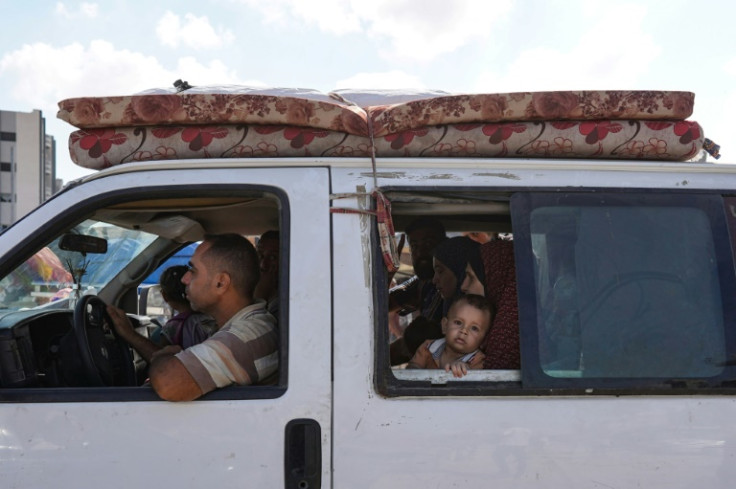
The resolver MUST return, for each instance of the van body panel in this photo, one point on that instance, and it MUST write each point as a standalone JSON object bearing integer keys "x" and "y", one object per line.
{"x": 334, "y": 318}
{"x": 510, "y": 441}
{"x": 217, "y": 443}
{"x": 536, "y": 442}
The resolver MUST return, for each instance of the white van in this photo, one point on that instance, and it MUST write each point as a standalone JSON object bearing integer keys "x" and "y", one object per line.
{"x": 639, "y": 392}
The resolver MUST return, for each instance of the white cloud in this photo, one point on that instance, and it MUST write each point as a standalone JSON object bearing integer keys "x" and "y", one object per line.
{"x": 423, "y": 30}
{"x": 714, "y": 109}
{"x": 194, "y": 32}
{"x": 40, "y": 75}
{"x": 98, "y": 69}
{"x": 414, "y": 29}
{"x": 386, "y": 80}
{"x": 730, "y": 67}
{"x": 88, "y": 10}
{"x": 604, "y": 57}
{"x": 333, "y": 16}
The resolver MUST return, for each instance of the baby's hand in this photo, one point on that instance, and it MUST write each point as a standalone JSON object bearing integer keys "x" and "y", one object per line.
{"x": 458, "y": 368}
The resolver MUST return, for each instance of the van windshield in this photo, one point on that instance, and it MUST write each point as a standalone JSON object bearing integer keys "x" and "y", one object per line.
{"x": 53, "y": 273}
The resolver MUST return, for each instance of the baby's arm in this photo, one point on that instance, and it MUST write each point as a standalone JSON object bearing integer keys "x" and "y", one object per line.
{"x": 476, "y": 362}
{"x": 422, "y": 358}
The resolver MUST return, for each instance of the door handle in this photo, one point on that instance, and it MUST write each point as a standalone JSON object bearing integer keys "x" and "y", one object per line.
{"x": 303, "y": 454}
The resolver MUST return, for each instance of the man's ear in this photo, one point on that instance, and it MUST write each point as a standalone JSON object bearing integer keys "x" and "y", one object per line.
{"x": 444, "y": 325}
{"x": 222, "y": 281}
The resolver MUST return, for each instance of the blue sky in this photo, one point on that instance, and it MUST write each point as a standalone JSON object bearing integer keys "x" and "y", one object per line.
{"x": 51, "y": 51}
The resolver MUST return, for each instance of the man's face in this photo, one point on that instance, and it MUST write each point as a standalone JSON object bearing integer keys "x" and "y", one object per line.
{"x": 422, "y": 242}
{"x": 268, "y": 255}
{"x": 200, "y": 281}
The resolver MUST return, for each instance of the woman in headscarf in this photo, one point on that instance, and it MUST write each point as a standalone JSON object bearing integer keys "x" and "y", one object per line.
{"x": 450, "y": 259}
{"x": 475, "y": 276}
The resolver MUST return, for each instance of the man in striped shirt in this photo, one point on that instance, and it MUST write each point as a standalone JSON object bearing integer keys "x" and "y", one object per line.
{"x": 222, "y": 275}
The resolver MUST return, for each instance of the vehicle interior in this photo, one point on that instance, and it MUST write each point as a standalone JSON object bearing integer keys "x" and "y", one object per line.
{"x": 478, "y": 215}
{"x": 53, "y": 326}
{"x": 610, "y": 286}
{"x": 54, "y": 330}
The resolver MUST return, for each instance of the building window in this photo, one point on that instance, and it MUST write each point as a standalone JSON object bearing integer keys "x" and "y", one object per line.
{"x": 7, "y": 136}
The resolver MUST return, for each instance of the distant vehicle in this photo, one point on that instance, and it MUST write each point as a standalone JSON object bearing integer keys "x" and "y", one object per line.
{"x": 181, "y": 257}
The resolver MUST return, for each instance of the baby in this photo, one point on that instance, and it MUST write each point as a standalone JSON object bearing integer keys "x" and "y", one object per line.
{"x": 465, "y": 326}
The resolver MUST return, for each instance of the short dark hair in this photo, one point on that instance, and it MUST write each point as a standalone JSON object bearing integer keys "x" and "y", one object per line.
{"x": 270, "y": 234}
{"x": 235, "y": 255}
{"x": 171, "y": 284}
{"x": 426, "y": 222}
{"x": 477, "y": 301}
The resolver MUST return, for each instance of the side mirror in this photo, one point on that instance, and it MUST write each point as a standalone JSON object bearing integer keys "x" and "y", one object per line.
{"x": 83, "y": 243}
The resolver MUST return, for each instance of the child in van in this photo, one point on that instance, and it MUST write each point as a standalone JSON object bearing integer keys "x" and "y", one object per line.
{"x": 466, "y": 324}
{"x": 187, "y": 327}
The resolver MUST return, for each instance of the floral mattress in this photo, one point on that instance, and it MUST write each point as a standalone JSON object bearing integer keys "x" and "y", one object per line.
{"x": 242, "y": 122}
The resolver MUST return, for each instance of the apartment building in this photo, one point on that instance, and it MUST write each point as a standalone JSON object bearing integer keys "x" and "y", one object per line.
{"x": 27, "y": 164}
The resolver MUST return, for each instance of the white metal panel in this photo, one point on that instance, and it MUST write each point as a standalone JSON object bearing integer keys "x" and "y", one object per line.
{"x": 218, "y": 444}
{"x": 515, "y": 442}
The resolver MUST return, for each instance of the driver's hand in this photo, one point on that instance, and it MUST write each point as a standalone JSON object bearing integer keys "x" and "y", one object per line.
{"x": 120, "y": 321}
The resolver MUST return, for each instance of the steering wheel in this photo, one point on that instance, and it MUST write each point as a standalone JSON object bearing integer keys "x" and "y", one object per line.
{"x": 105, "y": 357}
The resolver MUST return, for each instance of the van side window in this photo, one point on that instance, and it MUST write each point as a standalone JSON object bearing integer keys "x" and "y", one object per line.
{"x": 615, "y": 292}
{"x": 625, "y": 288}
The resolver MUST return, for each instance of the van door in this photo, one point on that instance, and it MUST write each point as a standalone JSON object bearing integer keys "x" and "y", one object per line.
{"x": 264, "y": 436}
{"x": 625, "y": 284}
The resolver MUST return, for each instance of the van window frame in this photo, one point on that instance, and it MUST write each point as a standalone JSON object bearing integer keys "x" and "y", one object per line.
{"x": 140, "y": 393}
{"x": 389, "y": 385}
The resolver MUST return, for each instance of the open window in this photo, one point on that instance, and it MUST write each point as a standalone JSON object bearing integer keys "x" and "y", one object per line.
{"x": 106, "y": 249}
{"x": 624, "y": 293}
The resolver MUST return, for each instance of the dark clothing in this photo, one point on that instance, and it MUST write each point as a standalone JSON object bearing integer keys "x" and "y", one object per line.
{"x": 417, "y": 294}
{"x": 455, "y": 253}
{"x": 413, "y": 295}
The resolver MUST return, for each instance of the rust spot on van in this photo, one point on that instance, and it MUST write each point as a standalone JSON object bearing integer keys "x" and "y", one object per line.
{"x": 440, "y": 176}
{"x": 388, "y": 174}
{"x": 507, "y": 175}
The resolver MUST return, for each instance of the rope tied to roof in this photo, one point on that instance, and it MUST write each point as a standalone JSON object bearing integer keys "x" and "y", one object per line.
{"x": 384, "y": 221}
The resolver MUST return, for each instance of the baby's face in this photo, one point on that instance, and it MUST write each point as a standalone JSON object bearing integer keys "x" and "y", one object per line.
{"x": 465, "y": 327}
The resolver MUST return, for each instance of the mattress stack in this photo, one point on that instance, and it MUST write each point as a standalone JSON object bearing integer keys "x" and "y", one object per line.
{"x": 244, "y": 122}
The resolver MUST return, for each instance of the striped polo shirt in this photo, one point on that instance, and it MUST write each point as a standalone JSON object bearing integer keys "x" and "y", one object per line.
{"x": 244, "y": 351}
